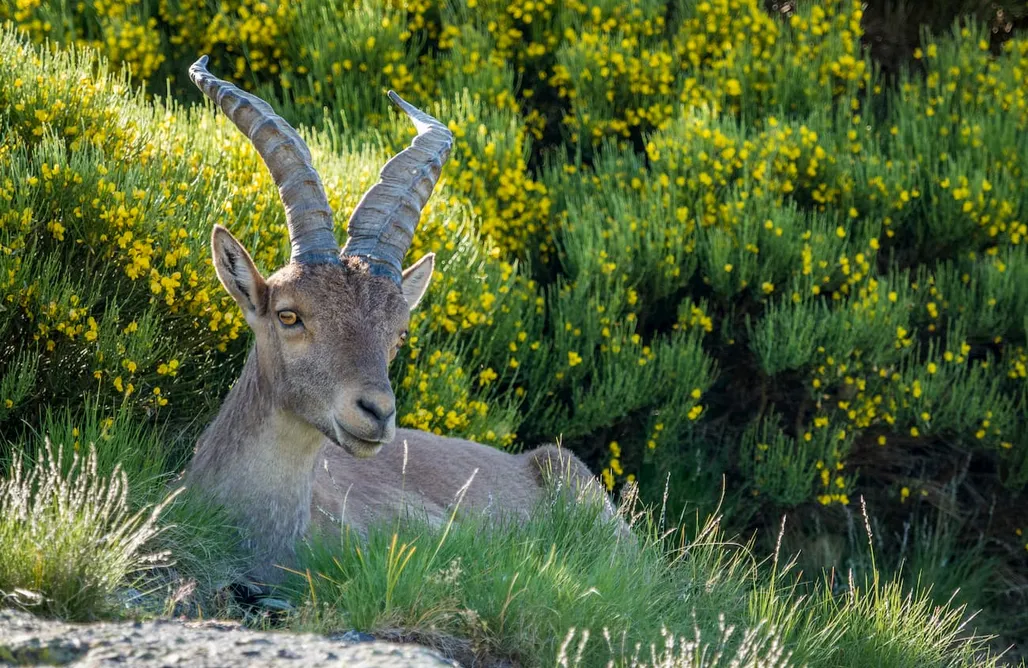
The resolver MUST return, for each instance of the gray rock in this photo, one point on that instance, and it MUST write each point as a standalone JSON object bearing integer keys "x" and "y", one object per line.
{"x": 275, "y": 604}
{"x": 26, "y": 640}
{"x": 352, "y": 636}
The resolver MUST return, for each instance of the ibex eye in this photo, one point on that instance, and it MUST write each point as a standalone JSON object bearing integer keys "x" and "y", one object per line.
{"x": 403, "y": 339}
{"x": 288, "y": 318}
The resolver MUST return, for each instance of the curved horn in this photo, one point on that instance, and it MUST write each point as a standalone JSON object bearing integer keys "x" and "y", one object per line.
{"x": 382, "y": 225}
{"x": 287, "y": 157}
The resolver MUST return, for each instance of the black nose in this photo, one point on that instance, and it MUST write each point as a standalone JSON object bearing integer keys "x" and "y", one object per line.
{"x": 378, "y": 408}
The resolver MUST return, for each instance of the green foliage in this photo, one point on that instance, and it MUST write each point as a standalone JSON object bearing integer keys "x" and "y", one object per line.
{"x": 785, "y": 468}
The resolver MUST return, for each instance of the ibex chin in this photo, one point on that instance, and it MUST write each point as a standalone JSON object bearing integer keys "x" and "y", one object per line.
{"x": 308, "y": 432}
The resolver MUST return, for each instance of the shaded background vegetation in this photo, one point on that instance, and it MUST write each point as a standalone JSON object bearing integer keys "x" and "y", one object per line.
{"x": 773, "y": 252}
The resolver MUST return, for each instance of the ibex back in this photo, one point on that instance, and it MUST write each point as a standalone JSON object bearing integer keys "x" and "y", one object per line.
{"x": 309, "y": 429}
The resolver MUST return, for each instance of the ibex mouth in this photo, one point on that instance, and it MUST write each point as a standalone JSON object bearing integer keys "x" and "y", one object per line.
{"x": 354, "y": 445}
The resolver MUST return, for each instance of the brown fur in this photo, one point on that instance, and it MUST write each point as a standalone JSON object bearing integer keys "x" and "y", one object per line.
{"x": 308, "y": 430}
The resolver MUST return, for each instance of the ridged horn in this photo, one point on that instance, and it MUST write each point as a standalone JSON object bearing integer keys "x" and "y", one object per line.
{"x": 288, "y": 159}
{"x": 382, "y": 226}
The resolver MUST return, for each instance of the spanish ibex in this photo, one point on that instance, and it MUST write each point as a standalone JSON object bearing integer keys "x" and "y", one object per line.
{"x": 309, "y": 429}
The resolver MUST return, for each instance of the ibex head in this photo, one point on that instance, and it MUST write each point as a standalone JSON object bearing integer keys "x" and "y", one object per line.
{"x": 328, "y": 323}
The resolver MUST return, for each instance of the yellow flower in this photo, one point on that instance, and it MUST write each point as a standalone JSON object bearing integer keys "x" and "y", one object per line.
{"x": 486, "y": 376}
{"x": 574, "y": 359}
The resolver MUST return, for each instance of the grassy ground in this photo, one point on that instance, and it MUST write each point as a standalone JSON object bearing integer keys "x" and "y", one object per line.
{"x": 558, "y": 590}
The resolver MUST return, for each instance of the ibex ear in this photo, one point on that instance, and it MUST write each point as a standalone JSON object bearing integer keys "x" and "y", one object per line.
{"x": 237, "y": 273}
{"x": 416, "y": 279}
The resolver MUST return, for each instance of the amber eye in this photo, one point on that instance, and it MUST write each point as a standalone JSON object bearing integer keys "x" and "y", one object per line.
{"x": 288, "y": 318}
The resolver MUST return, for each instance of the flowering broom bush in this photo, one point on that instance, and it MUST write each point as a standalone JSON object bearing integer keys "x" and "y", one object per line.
{"x": 689, "y": 239}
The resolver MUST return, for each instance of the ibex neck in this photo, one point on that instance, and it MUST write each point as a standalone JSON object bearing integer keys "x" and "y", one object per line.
{"x": 257, "y": 459}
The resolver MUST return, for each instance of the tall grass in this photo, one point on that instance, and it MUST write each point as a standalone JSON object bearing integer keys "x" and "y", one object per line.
{"x": 90, "y": 506}
{"x": 558, "y": 590}
{"x": 69, "y": 537}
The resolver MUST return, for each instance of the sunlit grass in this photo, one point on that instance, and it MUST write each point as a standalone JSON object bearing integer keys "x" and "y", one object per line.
{"x": 561, "y": 590}
{"x": 69, "y": 536}
{"x": 91, "y": 519}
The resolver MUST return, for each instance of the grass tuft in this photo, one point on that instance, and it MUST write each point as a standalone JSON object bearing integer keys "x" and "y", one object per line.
{"x": 69, "y": 537}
